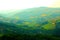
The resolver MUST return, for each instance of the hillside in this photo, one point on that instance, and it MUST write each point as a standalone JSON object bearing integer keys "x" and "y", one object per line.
{"x": 33, "y": 21}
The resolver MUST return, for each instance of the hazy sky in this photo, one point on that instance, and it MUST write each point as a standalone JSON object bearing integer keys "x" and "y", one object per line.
{"x": 23, "y": 4}
{"x": 56, "y": 4}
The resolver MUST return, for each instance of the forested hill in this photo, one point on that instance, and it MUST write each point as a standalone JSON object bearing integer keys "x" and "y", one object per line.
{"x": 34, "y": 20}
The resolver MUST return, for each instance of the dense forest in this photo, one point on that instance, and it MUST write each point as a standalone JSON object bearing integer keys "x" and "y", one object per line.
{"x": 30, "y": 24}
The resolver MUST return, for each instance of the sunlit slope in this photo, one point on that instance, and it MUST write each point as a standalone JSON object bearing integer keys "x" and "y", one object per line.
{"x": 31, "y": 21}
